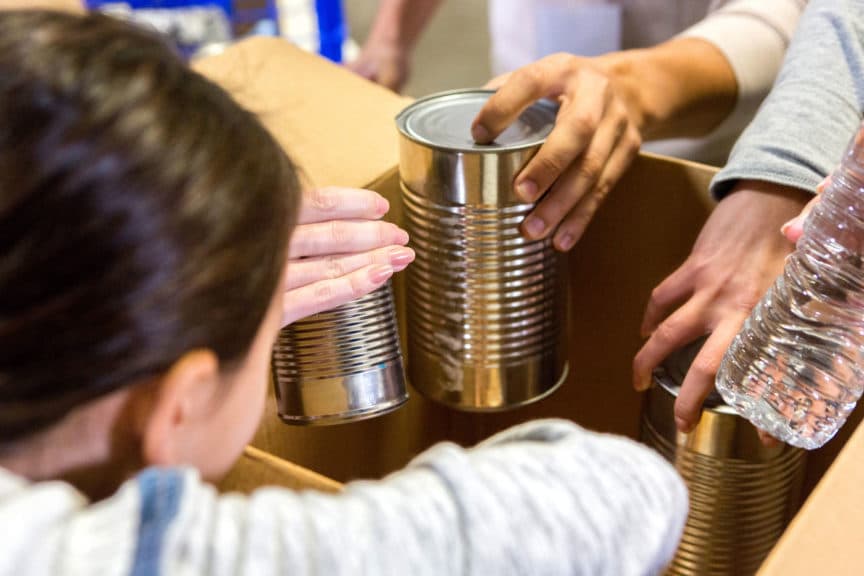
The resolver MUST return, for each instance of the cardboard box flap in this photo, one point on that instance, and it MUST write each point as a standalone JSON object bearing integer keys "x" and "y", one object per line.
{"x": 337, "y": 126}
{"x": 257, "y": 468}
{"x": 825, "y": 537}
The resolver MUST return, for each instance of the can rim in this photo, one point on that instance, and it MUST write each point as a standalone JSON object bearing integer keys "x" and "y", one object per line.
{"x": 401, "y": 120}
{"x": 713, "y": 403}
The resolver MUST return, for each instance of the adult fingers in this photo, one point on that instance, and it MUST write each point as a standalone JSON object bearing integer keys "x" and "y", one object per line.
{"x": 794, "y": 228}
{"x": 343, "y": 237}
{"x": 334, "y": 203}
{"x": 571, "y": 229}
{"x": 558, "y": 153}
{"x": 522, "y": 88}
{"x": 684, "y": 326}
{"x": 309, "y": 270}
{"x": 498, "y": 81}
{"x": 327, "y": 294}
{"x": 676, "y": 289}
{"x": 576, "y": 150}
{"x": 699, "y": 381}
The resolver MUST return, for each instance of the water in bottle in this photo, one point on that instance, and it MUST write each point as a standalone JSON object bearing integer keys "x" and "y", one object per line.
{"x": 796, "y": 369}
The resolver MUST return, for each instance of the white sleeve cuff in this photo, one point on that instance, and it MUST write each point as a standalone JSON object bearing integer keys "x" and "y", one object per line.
{"x": 753, "y": 36}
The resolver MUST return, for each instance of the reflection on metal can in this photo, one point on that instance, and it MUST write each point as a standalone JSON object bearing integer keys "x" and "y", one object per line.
{"x": 487, "y": 308}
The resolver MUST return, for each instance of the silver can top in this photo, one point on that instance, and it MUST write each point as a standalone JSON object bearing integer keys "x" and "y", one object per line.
{"x": 443, "y": 121}
{"x": 671, "y": 372}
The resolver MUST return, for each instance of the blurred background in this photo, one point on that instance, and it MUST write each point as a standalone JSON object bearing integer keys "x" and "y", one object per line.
{"x": 452, "y": 53}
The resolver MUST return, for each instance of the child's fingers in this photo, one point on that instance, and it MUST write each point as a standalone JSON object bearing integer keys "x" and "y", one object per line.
{"x": 327, "y": 294}
{"x": 334, "y": 203}
{"x": 343, "y": 237}
{"x": 310, "y": 270}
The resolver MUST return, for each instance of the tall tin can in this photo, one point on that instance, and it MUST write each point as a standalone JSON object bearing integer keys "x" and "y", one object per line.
{"x": 486, "y": 308}
{"x": 742, "y": 494}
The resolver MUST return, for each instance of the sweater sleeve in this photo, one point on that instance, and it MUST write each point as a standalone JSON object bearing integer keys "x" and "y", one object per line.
{"x": 800, "y": 132}
{"x": 543, "y": 498}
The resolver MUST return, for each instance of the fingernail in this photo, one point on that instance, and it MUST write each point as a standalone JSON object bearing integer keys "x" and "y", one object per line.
{"x": 643, "y": 383}
{"x": 794, "y": 224}
{"x": 380, "y": 274}
{"x": 534, "y": 226}
{"x": 400, "y": 258}
{"x": 565, "y": 242}
{"x": 401, "y": 236}
{"x": 790, "y": 222}
{"x": 527, "y": 190}
{"x": 480, "y": 134}
{"x": 382, "y": 206}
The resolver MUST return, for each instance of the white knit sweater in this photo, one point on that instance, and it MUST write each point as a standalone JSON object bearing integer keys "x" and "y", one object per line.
{"x": 543, "y": 498}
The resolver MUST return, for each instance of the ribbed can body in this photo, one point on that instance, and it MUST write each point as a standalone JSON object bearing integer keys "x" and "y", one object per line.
{"x": 340, "y": 365}
{"x": 742, "y": 494}
{"x": 486, "y": 308}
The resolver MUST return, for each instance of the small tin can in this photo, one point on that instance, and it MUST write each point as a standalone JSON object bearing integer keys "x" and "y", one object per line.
{"x": 341, "y": 365}
{"x": 486, "y": 308}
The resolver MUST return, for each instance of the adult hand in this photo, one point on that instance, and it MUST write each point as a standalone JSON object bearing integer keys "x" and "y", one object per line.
{"x": 736, "y": 258}
{"x": 681, "y": 88}
{"x": 596, "y": 136}
{"x": 340, "y": 251}
{"x": 385, "y": 63}
{"x": 386, "y": 54}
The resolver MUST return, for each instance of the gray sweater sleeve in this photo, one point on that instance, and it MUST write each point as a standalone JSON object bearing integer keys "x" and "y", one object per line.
{"x": 803, "y": 126}
{"x": 543, "y": 498}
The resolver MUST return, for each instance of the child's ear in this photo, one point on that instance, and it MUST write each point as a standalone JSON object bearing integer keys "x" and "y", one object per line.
{"x": 182, "y": 398}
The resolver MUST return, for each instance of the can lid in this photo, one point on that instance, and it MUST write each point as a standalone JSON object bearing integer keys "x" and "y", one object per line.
{"x": 443, "y": 121}
{"x": 671, "y": 372}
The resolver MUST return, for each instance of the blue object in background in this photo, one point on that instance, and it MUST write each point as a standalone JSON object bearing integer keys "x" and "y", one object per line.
{"x": 332, "y": 30}
{"x": 240, "y": 18}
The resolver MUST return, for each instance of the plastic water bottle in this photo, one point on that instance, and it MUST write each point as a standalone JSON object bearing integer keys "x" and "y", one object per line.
{"x": 796, "y": 369}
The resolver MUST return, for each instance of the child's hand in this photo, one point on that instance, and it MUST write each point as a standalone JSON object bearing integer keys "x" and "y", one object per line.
{"x": 340, "y": 251}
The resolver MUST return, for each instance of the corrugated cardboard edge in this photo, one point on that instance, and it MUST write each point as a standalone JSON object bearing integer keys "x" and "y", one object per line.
{"x": 825, "y": 537}
{"x": 256, "y": 469}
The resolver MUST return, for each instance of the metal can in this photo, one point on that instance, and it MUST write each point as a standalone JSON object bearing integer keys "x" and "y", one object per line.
{"x": 342, "y": 365}
{"x": 742, "y": 493}
{"x": 486, "y": 308}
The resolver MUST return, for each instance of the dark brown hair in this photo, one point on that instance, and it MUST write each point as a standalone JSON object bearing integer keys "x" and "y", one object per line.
{"x": 143, "y": 214}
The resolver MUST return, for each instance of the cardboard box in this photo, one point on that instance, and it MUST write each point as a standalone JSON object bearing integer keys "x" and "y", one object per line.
{"x": 340, "y": 130}
{"x": 257, "y": 468}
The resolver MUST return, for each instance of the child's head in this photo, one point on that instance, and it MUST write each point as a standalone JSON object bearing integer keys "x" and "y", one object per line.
{"x": 144, "y": 218}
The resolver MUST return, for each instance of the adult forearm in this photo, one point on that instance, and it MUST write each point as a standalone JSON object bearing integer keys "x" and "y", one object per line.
{"x": 401, "y": 22}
